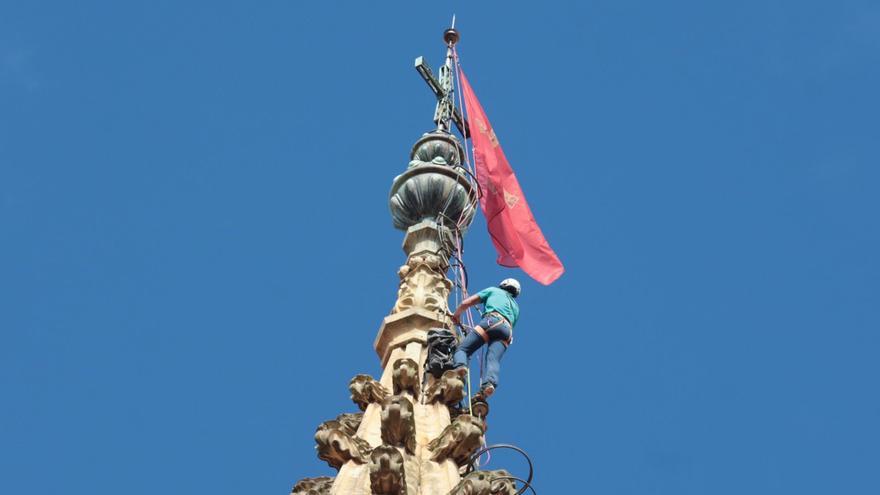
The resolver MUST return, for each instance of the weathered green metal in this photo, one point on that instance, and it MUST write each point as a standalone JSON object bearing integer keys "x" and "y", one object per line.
{"x": 435, "y": 186}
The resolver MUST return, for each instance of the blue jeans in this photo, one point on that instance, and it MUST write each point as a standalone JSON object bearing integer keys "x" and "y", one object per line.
{"x": 499, "y": 332}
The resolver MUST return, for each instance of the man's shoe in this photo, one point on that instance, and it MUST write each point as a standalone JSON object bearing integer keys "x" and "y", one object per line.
{"x": 487, "y": 391}
{"x": 461, "y": 372}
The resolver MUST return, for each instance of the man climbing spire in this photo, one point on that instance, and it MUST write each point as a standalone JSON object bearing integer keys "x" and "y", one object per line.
{"x": 500, "y": 313}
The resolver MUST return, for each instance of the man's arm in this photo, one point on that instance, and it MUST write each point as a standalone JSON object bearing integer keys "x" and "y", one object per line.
{"x": 470, "y": 301}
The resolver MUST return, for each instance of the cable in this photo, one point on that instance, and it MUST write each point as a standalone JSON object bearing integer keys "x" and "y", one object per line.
{"x": 476, "y": 456}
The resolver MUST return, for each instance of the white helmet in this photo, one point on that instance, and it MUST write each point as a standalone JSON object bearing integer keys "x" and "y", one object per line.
{"x": 511, "y": 285}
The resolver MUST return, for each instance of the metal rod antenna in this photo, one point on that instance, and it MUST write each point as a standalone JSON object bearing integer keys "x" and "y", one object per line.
{"x": 446, "y": 107}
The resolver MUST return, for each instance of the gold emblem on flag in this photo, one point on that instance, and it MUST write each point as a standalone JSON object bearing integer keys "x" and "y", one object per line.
{"x": 482, "y": 126}
{"x": 489, "y": 132}
{"x": 492, "y": 138}
{"x": 510, "y": 199}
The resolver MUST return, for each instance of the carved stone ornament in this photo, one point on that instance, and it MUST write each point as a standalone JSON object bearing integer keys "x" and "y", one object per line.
{"x": 406, "y": 376}
{"x": 365, "y": 391}
{"x": 387, "y": 476}
{"x": 398, "y": 423}
{"x": 456, "y": 410}
{"x": 423, "y": 284}
{"x": 337, "y": 444}
{"x": 350, "y": 422}
{"x": 459, "y": 440}
{"x": 448, "y": 389}
{"x": 313, "y": 486}
{"x": 485, "y": 483}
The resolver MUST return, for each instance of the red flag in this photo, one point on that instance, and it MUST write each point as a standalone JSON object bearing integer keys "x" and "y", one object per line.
{"x": 513, "y": 229}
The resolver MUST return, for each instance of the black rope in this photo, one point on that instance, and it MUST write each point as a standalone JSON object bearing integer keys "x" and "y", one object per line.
{"x": 473, "y": 459}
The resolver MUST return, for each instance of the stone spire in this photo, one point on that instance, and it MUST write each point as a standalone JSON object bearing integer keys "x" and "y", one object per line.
{"x": 411, "y": 437}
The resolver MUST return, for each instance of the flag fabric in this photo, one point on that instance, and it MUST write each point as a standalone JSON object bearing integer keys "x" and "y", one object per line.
{"x": 513, "y": 229}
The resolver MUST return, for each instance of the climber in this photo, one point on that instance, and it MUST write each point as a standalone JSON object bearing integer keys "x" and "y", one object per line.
{"x": 495, "y": 329}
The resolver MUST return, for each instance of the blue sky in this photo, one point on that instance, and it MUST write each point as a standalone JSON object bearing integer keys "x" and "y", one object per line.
{"x": 197, "y": 253}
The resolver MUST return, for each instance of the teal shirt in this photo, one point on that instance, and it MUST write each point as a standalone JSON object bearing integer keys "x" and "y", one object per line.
{"x": 495, "y": 299}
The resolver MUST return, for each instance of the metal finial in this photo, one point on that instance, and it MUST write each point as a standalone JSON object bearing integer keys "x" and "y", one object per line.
{"x": 451, "y": 36}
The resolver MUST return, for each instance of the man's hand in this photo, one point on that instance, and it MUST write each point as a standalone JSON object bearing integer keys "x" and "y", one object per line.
{"x": 470, "y": 301}
{"x": 456, "y": 317}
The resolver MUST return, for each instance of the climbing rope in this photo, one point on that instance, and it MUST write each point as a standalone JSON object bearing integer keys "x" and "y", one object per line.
{"x": 474, "y": 199}
{"x": 453, "y": 227}
{"x": 457, "y": 73}
{"x": 460, "y": 284}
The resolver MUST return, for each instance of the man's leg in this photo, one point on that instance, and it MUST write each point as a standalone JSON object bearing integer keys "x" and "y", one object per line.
{"x": 471, "y": 343}
{"x": 493, "y": 362}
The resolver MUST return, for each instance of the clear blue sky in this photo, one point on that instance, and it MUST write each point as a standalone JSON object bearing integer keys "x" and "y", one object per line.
{"x": 196, "y": 251}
